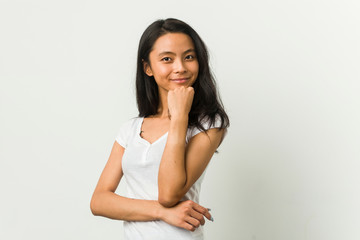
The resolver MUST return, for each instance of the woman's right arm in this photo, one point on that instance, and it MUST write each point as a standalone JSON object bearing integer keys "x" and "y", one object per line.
{"x": 105, "y": 202}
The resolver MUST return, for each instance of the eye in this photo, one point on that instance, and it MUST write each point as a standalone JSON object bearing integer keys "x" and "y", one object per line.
{"x": 166, "y": 59}
{"x": 190, "y": 57}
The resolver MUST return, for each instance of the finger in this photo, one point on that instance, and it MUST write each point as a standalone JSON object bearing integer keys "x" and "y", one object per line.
{"x": 195, "y": 214}
{"x": 188, "y": 226}
{"x": 193, "y": 221}
{"x": 203, "y": 211}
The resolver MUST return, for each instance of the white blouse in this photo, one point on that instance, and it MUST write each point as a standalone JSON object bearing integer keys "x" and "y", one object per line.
{"x": 140, "y": 165}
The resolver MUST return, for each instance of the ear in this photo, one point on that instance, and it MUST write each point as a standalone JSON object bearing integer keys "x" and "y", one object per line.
{"x": 147, "y": 69}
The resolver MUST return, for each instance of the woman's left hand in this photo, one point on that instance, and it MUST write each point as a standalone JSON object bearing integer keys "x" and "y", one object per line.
{"x": 180, "y": 101}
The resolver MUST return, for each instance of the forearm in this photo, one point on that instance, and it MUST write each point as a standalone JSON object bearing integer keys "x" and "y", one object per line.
{"x": 187, "y": 214}
{"x": 172, "y": 171}
{"x": 111, "y": 205}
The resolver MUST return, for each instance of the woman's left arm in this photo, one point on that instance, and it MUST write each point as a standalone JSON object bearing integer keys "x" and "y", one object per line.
{"x": 182, "y": 164}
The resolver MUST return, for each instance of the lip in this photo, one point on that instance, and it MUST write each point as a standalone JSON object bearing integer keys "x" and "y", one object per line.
{"x": 180, "y": 80}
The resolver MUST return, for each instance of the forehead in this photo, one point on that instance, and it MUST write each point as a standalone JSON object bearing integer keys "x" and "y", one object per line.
{"x": 173, "y": 42}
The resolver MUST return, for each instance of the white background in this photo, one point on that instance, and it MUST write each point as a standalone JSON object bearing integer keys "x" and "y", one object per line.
{"x": 288, "y": 72}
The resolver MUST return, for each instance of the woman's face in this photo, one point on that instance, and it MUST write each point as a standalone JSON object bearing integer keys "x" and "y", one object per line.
{"x": 173, "y": 62}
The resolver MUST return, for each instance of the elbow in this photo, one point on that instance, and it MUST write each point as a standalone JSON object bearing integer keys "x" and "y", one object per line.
{"x": 94, "y": 205}
{"x": 168, "y": 201}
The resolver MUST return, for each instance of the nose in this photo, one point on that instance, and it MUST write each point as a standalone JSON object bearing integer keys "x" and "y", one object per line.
{"x": 179, "y": 66}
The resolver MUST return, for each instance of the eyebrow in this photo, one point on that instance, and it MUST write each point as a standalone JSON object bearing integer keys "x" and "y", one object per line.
{"x": 168, "y": 52}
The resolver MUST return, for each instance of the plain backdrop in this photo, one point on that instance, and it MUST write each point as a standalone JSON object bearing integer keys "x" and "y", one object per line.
{"x": 287, "y": 71}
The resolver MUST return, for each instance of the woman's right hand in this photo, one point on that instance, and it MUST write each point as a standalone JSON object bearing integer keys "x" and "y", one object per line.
{"x": 187, "y": 214}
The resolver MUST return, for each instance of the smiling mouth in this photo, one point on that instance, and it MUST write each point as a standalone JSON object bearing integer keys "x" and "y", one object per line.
{"x": 180, "y": 80}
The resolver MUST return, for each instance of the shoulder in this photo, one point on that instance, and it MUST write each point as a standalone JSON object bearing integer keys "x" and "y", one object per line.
{"x": 130, "y": 123}
{"x": 127, "y": 129}
{"x": 207, "y": 124}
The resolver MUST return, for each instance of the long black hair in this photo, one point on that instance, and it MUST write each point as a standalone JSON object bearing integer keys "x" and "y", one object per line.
{"x": 207, "y": 105}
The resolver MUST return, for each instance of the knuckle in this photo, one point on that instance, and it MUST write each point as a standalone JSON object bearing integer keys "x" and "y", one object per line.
{"x": 188, "y": 227}
{"x": 182, "y": 216}
{"x": 197, "y": 223}
{"x": 188, "y": 203}
{"x": 186, "y": 211}
{"x": 185, "y": 226}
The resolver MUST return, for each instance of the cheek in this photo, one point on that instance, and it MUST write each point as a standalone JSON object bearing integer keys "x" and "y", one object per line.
{"x": 195, "y": 69}
{"x": 161, "y": 70}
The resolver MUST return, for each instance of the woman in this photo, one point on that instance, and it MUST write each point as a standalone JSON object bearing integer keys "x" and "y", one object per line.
{"x": 163, "y": 153}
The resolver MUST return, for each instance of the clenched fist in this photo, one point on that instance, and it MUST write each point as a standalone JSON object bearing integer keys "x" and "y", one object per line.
{"x": 180, "y": 101}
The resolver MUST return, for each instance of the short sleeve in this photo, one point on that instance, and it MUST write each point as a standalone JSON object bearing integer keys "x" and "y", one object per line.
{"x": 206, "y": 124}
{"x": 125, "y": 132}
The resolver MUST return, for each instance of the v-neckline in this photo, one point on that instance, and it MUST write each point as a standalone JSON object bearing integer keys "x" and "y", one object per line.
{"x": 143, "y": 139}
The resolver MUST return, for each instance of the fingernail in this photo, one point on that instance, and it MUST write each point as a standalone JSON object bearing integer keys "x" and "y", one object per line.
{"x": 212, "y": 219}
